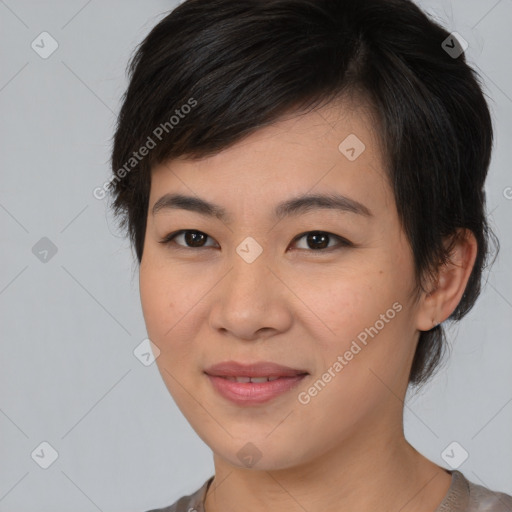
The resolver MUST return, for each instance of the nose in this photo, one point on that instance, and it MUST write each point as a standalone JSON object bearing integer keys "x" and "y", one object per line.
{"x": 251, "y": 302}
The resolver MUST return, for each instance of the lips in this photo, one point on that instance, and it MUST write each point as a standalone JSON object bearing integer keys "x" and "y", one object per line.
{"x": 253, "y": 384}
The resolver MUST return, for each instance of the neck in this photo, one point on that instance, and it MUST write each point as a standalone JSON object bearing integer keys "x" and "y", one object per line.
{"x": 368, "y": 472}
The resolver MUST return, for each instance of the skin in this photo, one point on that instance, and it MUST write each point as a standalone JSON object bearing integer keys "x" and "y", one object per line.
{"x": 300, "y": 307}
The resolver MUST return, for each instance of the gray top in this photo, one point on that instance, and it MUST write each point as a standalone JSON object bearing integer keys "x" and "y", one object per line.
{"x": 462, "y": 496}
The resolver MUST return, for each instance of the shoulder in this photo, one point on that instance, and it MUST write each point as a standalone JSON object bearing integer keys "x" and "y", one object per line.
{"x": 467, "y": 496}
{"x": 482, "y": 499}
{"x": 190, "y": 503}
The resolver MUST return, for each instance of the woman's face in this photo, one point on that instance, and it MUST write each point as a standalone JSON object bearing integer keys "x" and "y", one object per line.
{"x": 256, "y": 287}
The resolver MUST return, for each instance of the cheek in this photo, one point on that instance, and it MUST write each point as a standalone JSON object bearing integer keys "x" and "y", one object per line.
{"x": 348, "y": 302}
{"x": 153, "y": 298}
{"x": 160, "y": 300}
{"x": 367, "y": 318}
{"x": 172, "y": 304}
{"x": 163, "y": 308}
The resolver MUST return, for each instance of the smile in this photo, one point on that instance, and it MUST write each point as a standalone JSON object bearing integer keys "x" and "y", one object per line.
{"x": 244, "y": 391}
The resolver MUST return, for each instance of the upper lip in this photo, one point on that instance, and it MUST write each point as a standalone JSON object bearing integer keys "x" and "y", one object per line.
{"x": 259, "y": 369}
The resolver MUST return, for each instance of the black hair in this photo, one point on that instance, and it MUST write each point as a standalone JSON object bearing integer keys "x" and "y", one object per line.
{"x": 214, "y": 71}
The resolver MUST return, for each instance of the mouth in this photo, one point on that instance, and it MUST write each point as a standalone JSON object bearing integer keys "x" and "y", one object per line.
{"x": 251, "y": 384}
{"x": 264, "y": 369}
{"x": 251, "y": 379}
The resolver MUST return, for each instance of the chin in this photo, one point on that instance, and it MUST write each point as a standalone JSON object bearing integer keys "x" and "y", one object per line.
{"x": 258, "y": 455}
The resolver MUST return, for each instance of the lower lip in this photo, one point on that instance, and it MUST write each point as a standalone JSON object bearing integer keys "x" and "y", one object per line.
{"x": 248, "y": 393}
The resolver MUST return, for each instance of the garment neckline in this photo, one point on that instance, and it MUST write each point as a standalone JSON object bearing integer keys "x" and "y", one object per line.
{"x": 456, "y": 498}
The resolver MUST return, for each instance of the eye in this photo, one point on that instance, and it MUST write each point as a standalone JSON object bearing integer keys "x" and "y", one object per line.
{"x": 319, "y": 241}
{"x": 193, "y": 237}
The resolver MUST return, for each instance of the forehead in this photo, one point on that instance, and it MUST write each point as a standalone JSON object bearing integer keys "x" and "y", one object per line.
{"x": 331, "y": 149}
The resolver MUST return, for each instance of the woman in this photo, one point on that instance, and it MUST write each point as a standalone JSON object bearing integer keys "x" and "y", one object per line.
{"x": 303, "y": 183}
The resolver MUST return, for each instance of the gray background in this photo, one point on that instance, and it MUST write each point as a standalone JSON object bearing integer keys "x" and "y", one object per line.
{"x": 70, "y": 324}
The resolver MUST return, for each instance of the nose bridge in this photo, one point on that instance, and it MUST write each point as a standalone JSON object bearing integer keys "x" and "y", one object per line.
{"x": 248, "y": 263}
{"x": 248, "y": 301}
{"x": 250, "y": 273}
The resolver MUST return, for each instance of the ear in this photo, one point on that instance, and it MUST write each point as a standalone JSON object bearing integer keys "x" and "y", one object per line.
{"x": 439, "y": 302}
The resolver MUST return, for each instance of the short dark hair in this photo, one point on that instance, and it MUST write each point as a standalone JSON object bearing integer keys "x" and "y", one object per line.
{"x": 242, "y": 65}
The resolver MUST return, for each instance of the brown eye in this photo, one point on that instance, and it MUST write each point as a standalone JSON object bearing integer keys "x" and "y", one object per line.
{"x": 319, "y": 240}
{"x": 189, "y": 238}
{"x": 194, "y": 238}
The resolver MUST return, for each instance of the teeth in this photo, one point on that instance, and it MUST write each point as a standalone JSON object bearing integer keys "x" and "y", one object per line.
{"x": 252, "y": 379}
{"x": 259, "y": 379}
{"x": 242, "y": 379}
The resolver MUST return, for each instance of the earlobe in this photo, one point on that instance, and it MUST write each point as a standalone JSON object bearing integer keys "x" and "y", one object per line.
{"x": 441, "y": 300}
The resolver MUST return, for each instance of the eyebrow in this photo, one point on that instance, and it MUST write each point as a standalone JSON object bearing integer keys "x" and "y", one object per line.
{"x": 294, "y": 206}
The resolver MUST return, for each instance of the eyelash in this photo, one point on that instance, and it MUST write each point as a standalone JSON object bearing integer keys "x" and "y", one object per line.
{"x": 342, "y": 242}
